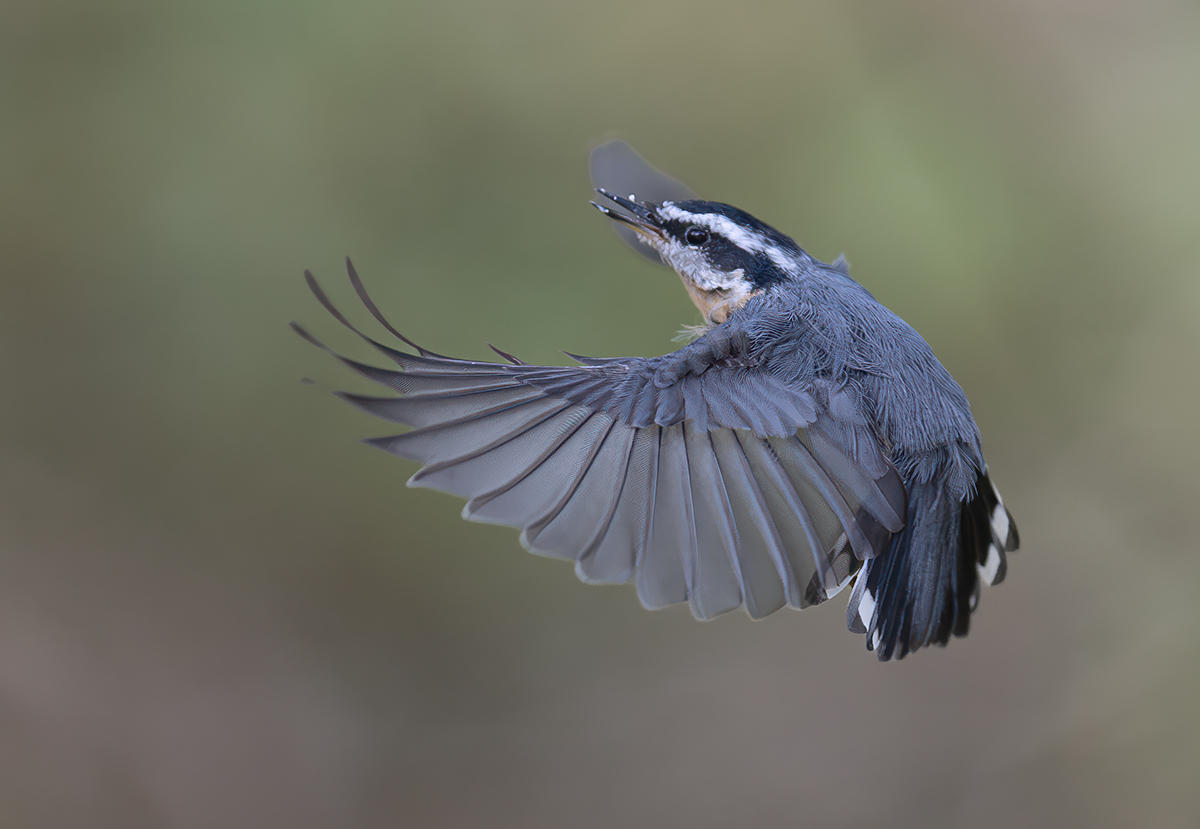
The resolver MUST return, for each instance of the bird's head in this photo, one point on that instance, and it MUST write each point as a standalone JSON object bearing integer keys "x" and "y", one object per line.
{"x": 723, "y": 255}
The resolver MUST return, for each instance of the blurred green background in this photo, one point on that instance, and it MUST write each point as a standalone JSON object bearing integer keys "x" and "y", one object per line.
{"x": 218, "y": 610}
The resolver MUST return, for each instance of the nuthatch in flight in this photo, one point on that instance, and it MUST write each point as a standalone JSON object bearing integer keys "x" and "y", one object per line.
{"x": 807, "y": 440}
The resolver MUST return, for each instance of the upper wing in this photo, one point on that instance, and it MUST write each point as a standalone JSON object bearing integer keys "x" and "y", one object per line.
{"x": 723, "y": 488}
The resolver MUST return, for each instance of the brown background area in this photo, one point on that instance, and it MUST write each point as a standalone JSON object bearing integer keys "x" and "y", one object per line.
{"x": 217, "y": 610}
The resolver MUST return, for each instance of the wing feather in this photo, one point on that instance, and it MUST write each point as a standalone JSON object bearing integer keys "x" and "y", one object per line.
{"x": 812, "y": 481}
{"x": 715, "y": 583}
{"x": 422, "y": 384}
{"x": 621, "y": 551}
{"x": 499, "y": 467}
{"x": 670, "y": 544}
{"x": 766, "y": 576}
{"x": 537, "y": 493}
{"x": 428, "y": 410}
{"x": 470, "y": 434}
{"x": 797, "y": 531}
{"x": 579, "y": 526}
{"x": 882, "y": 495}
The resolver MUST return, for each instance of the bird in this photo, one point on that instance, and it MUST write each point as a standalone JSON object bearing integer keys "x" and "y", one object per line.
{"x": 806, "y": 441}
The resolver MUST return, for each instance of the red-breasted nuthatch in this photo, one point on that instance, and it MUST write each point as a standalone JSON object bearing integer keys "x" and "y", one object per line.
{"x": 807, "y": 440}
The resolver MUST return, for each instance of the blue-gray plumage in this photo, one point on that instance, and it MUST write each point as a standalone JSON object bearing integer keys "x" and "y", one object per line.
{"x": 807, "y": 439}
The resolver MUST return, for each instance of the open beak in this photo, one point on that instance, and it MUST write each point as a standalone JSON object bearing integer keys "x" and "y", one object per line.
{"x": 639, "y": 216}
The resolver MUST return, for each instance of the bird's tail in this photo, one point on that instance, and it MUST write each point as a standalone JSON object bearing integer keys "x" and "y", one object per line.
{"x": 923, "y": 589}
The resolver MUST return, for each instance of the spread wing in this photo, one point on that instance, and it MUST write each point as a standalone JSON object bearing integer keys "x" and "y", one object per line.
{"x": 724, "y": 488}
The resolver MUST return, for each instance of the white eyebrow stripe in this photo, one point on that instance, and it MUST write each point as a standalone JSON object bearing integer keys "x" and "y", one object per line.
{"x": 745, "y": 239}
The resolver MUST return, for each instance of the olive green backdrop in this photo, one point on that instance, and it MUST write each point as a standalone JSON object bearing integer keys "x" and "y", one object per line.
{"x": 218, "y": 610}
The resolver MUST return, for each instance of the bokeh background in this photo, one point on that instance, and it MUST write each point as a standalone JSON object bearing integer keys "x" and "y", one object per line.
{"x": 218, "y": 610}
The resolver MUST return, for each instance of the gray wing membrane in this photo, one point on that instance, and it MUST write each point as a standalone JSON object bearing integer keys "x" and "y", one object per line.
{"x": 684, "y": 490}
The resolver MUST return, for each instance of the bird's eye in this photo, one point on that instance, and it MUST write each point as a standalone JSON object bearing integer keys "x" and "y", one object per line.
{"x": 695, "y": 236}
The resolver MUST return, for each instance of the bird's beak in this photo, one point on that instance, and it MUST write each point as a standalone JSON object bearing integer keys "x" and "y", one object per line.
{"x": 641, "y": 216}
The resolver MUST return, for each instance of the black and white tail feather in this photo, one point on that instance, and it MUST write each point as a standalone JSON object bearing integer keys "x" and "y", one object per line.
{"x": 924, "y": 589}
